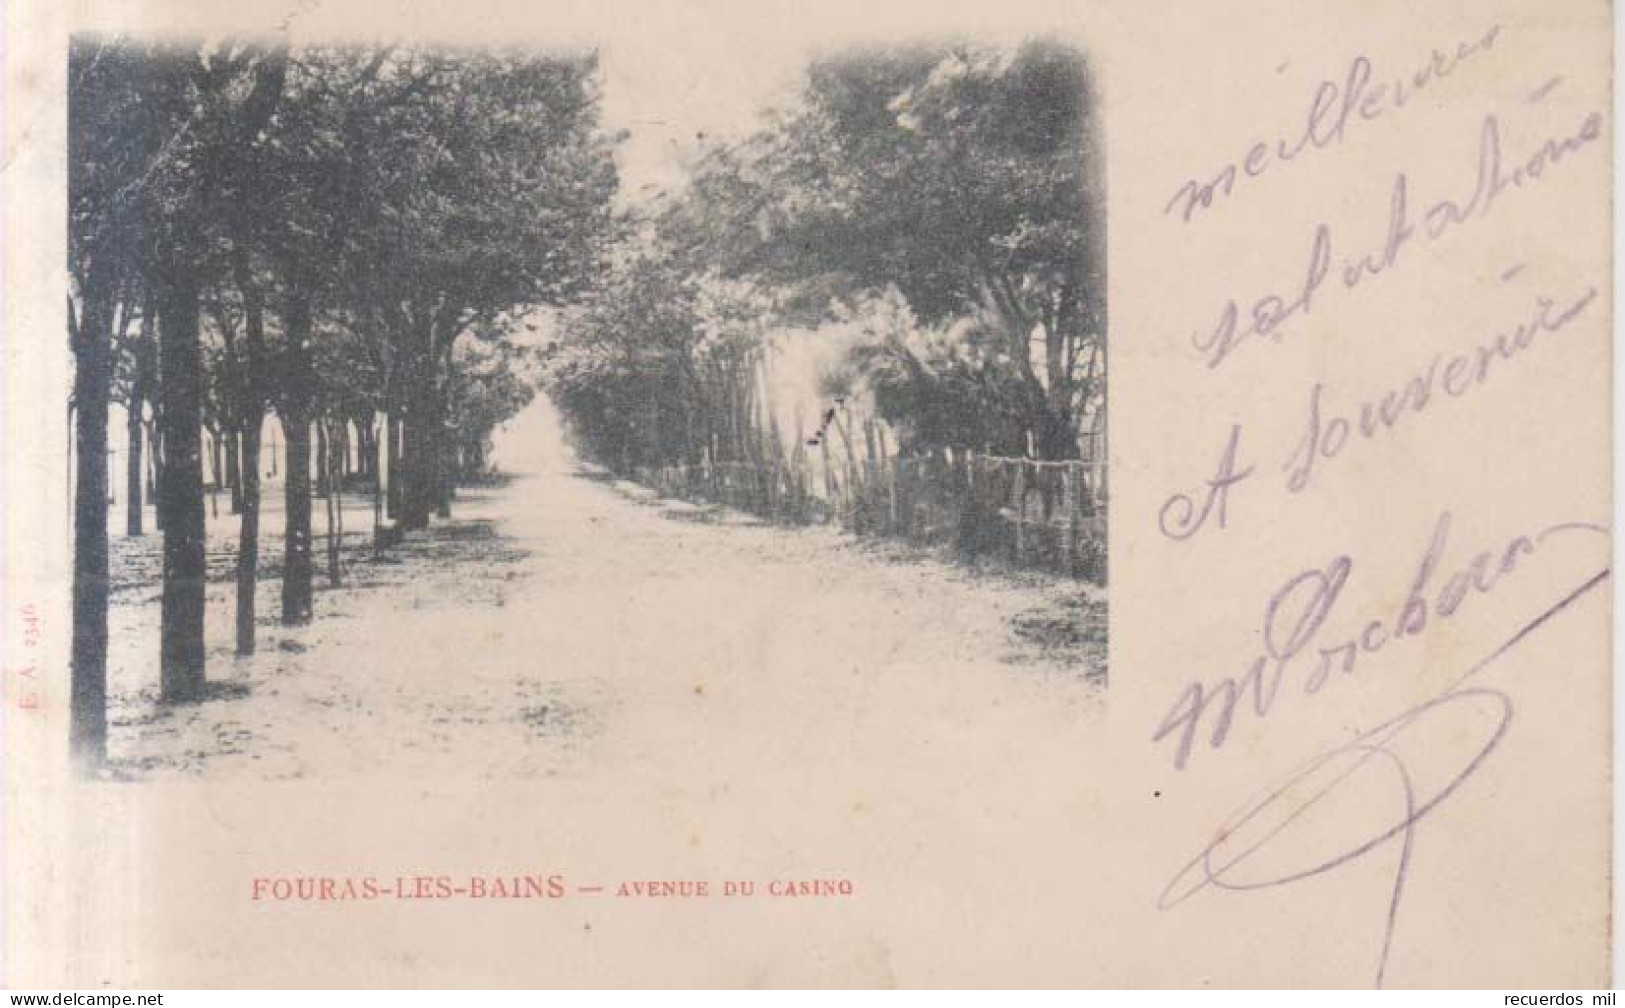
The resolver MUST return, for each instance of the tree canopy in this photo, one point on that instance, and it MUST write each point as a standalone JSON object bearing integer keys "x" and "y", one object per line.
{"x": 332, "y": 233}
{"x": 966, "y": 178}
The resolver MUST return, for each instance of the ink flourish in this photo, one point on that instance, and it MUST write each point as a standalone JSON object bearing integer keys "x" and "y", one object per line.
{"x": 1246, "y": 852}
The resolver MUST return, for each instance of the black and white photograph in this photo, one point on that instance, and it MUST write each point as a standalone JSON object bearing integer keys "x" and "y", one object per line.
{"x": 452, "y": 410}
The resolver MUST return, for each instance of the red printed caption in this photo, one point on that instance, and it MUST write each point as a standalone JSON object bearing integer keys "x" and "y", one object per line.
{"x": 22, "y": 677}
{"x": 345, "y": 888}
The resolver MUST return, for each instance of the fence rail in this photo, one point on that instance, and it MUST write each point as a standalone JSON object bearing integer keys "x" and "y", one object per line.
{"x": 1048, "y": 515}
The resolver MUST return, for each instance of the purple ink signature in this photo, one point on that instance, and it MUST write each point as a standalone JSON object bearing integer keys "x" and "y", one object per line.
{"x": 1253, "y": 848}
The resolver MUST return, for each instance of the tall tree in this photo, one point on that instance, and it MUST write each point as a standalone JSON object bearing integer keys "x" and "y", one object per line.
{"x": 112, "y": 153}
{"x": 255, "y": 365}
{"x": 180, "y": 495}
{"x": 222, "y": 100}
{"x": 966, "y": 178}
{"x": 294, "y": 409}
{"x": 142, "y": 357}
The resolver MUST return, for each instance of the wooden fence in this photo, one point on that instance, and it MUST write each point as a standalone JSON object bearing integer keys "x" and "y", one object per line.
{"x": 1049, "y": 515}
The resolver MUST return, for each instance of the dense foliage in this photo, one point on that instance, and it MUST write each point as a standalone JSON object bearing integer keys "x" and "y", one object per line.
{"x": 962, "y": 181}
{"x": 348, "y": 237}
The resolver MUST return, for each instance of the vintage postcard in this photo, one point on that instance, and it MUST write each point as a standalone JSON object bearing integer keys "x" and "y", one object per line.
{"x": 858, "y": 494}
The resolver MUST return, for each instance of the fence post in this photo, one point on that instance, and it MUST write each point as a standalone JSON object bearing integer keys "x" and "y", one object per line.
{"x": 967, "y": 515}
{"x": 830, "y": 502}
{"x": 798, "y": 473}
{"x": 891, "y": 474}
{"x": 852, "y": 482}
{"x": 1074, "y": 510}
{"x": 1020, "y": 502}
{"x": 902, "y": 501}
{"x": 871, "y": 516}
{"x": 716, "y": 470}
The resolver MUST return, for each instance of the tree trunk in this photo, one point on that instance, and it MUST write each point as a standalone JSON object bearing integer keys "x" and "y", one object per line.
{"x": 248, "y": 541}
{"x": 153, "y": 450}
{"x": 444, "y": 477}
{"x": 444, "y": 474}
{"x": 335, "y": 508}
{"x": 377, "y": 486}
{"x": 155, "y": 466}
{"x": 181, "y": 663}
{"x": 412, "y": 514}
{"x": 296, "y": 567}
{"x": 341, "y": 428}
{"x": 216, "y": 470}
{"x": 87, "y": 732}
{"x": 363, "y": 447}
{"x": 1055, "y": 436}
{"x": 367, "y": 431}
{"x": 420, "y": 494}
{"x": 234, "y": 470}
{"x": 133, "y": 495}
{"x": 323, "y": 468}
{"x": 1102, "y": 441}
{"x": 217, "y": 465}
{"x": 357, "y": 465}
{"x": 392, "y": 463}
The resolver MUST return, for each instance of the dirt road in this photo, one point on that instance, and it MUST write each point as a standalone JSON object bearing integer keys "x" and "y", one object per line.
{"x": 565, "y": 624}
